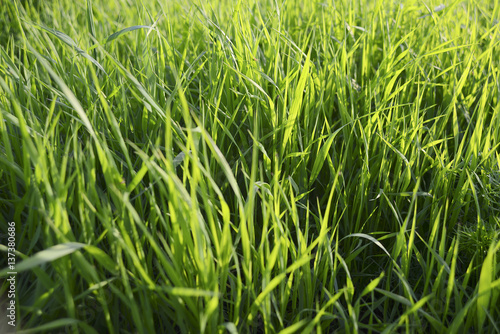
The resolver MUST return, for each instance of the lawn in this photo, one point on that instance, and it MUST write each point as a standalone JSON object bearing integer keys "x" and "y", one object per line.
{"x": 261, "y": 166}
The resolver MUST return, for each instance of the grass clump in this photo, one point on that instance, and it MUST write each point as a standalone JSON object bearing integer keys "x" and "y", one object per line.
{"x": 263, "y": 166}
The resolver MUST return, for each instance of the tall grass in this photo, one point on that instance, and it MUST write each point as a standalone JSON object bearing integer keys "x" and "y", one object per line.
{"x": 262, "y": 166}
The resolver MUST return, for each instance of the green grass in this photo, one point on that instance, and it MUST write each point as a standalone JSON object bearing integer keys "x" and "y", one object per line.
{"x": 252, "y": 166}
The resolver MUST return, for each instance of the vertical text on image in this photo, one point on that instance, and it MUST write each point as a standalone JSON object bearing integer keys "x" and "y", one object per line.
{"x": 11, "y": 264}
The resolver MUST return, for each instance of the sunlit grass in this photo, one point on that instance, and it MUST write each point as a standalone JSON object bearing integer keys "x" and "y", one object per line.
{"x": 263, "y": 166}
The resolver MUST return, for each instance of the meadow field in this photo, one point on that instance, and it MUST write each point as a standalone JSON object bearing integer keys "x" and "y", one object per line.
{"x": 260, "y": 166}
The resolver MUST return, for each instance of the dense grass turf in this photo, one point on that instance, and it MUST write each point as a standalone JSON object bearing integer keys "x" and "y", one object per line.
{"x": 251, "y": 166}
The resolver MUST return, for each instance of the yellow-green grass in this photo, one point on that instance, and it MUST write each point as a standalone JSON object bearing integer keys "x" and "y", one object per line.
{"x": 261, "y": 166}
